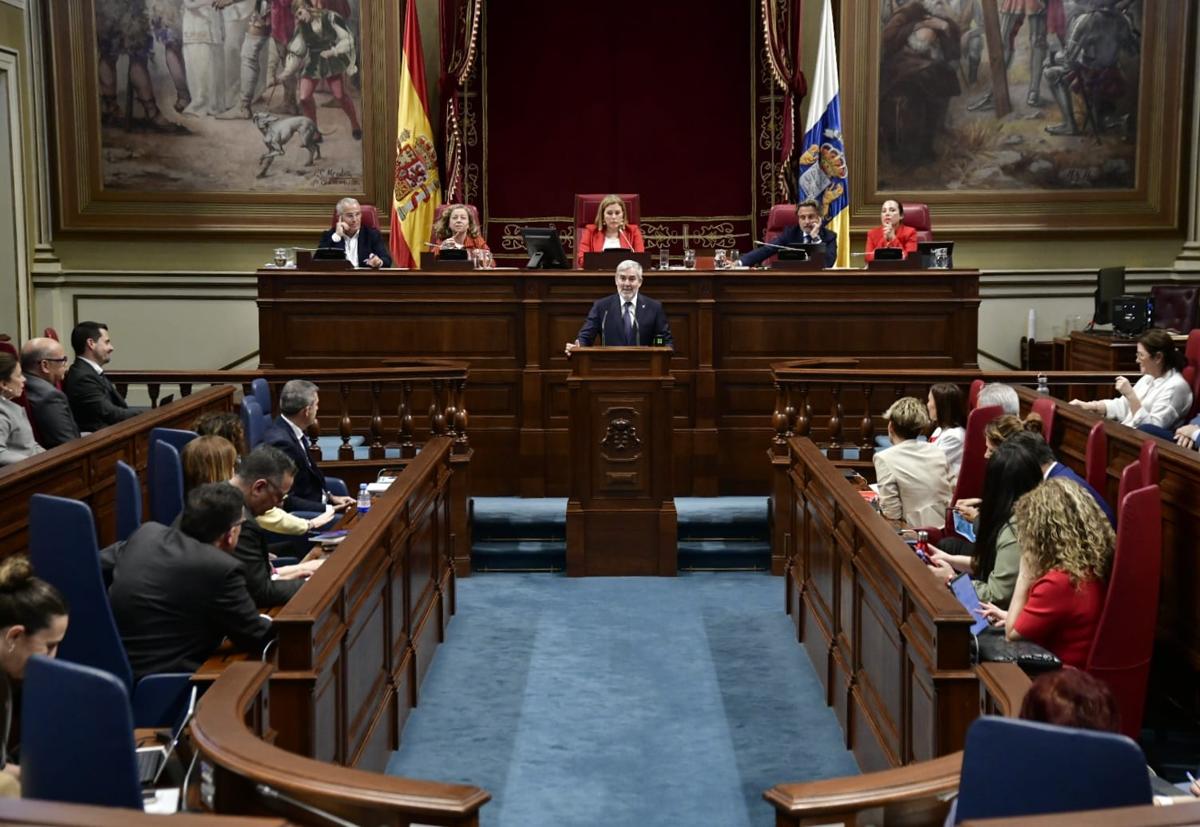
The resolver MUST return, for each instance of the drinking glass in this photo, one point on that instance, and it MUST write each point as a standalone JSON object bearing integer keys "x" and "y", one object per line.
{"x": 281, "y": 256}
{"x": 689, "y": 259}
{"x": 664, "y": 257}
{"x": 719, "y": 260}
{"x": 941, "y": 259}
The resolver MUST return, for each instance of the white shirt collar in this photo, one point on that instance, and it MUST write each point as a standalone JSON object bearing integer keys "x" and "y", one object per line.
{"x": 352, "y": 248}
{"x": 621, "y": 301}
{"x": 1049, "y": 468}
{"x": 95, "y": 367}
{"x": 296, "y": 432}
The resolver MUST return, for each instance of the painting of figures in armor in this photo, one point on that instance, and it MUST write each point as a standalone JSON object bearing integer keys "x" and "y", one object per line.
{"x": 228, "y": 96}
{"x": 1071, "y": 77}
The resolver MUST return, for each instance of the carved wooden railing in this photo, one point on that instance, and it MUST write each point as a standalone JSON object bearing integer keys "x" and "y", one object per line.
{"x": 362, "y": 396}
{"x": 842, "y": 407}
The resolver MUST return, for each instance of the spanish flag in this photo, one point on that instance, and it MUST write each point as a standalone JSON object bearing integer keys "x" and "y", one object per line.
{"x": 417, "y": 191}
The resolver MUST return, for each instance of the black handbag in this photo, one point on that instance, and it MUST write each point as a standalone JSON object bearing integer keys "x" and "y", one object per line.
{"x": 991, "y": 646}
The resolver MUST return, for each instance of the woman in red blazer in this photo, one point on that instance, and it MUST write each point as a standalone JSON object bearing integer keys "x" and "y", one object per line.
{"x": 614, "y": 233}
{"x": 892, "y": 232}
{"x": 456, "y": 230}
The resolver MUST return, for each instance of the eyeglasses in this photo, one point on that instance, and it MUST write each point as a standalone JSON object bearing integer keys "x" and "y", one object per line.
{"x": 59, "y": 359}
{"x": 276, "y": 490}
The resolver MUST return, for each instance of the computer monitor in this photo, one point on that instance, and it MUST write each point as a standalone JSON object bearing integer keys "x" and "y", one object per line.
{"x": 545, "y": 250}
{"x": 1110, "y": 283}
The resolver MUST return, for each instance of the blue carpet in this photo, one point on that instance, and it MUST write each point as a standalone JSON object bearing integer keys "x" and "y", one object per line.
{"x": 622, "y": 701}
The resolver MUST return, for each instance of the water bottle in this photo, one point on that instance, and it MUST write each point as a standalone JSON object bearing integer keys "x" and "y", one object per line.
{"x": 922, "y": 547}
{"x": 1043, "y": 385}
{"x": 364, "y": 499}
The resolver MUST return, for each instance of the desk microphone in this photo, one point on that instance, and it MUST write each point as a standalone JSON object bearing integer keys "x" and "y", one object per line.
{"x": 776, "y": 246}
{"x": 275, "y": 795}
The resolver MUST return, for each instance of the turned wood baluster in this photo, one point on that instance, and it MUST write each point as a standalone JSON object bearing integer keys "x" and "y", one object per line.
{"x": 376, "y": 450}
{"x": 804, "y": 420}
{"x": 835, "y": 423}
{"x": 449, "y": 413}
{"x": 461, "y": 443}
{"x": 185, "y": 389}
{"x": 866, "y": 443}
{"x": 408, "y": 448}
{"x": 437, "y": 420}
{"x": 779, "y": 421}
{"x": 152, "y": 390}
{"x": 313, "y": 432}
{"x": 789, "y": 411}
{"x": 345, "y": 450}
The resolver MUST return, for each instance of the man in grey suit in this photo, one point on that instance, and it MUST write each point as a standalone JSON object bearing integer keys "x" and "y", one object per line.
{"x": 178, "y": 591}
{"x": 94, "y": 400}
{"x": 45, "y": 365}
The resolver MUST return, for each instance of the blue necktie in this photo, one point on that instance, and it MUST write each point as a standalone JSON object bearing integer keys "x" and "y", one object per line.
{"x": 627, "y": 316}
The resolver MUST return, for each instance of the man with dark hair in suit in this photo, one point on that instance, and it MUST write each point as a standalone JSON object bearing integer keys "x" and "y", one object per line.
{"x": 627, "y": 318}
{"x": 178, "y": 591}
{"x": 298, "y": 403}
{"x": 806, "y": 231}
{"x": 94, "y": 400}
{"x": 45, "y": 364}
{"x": 362, "y": 246}
{"x": 264, "y": 476}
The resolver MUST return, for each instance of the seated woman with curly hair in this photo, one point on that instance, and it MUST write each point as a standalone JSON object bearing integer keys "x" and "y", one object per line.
{"x": 1066, "y": 555}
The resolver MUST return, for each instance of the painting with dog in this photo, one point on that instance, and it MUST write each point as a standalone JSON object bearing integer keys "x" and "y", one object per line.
{"x": 230, "y": 95}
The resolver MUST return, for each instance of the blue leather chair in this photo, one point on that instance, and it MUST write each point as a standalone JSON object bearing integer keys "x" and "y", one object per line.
{"x": 253, "y": 422}
{"x": 172, "y": 436}
{"x": 166, "y": 487}
{"x": 1014, "y": 768}
{"x": 64, "y": 552}
{"x": 77, "y": 736}
{"x": 129, "y": 501}
{"x": 262, "y": 395}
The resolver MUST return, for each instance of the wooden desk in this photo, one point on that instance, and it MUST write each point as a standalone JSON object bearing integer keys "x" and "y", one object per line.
{"x": 889, "y": 642}
{"x": 85, "y": 469}
{"x": 53, "y": 814}
{"x": 511, "y": 326}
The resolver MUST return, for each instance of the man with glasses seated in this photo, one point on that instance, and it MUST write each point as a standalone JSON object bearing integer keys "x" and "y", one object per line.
{"x": 298, "y": 403}
{"x": 264, "y": 476}
{"x": 178, "y": 591}
{"x": 45, "y": 366}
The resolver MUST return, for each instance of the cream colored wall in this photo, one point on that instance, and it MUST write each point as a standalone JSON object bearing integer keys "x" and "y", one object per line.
{"x": 14, "y": 204}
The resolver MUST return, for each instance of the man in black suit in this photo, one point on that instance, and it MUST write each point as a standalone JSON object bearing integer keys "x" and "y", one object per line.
{"x": 264, "y": 476}
{"x": 298, "y": 403}
{"x": 45, "y": 364}
{"x": 94, "y": 401}
{"x": 178, "y": 591}
{"x": 362, "y": 246}
{"x": 627, "y": 318}
{"x": 806, "y": 231}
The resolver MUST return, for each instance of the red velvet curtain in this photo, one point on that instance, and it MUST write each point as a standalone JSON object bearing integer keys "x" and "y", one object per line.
{"x": 657, "y": 98}
{"x": 781, "y": 25}
{"x": 458, "y": 26}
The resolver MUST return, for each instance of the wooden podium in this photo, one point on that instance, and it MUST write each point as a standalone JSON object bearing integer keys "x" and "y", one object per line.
{"x": 621, "y": 514}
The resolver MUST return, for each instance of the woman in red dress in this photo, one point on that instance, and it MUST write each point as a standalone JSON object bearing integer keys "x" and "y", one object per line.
{"x": 610, "y": 231}
{"x": 891, "y": 232}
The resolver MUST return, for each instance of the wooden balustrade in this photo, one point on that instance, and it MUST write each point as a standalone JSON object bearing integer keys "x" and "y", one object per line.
{"x": 84, "y": 469}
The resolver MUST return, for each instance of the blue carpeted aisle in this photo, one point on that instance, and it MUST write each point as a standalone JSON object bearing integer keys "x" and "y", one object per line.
{"x": 622, "y": 701}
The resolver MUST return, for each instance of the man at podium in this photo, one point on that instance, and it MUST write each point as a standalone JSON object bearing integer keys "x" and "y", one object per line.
{"x": 628, "y": 318}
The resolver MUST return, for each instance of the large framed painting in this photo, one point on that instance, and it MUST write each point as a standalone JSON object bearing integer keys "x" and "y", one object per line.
{"x": 1016, "y": 115}
{"x": 221, "y": 115}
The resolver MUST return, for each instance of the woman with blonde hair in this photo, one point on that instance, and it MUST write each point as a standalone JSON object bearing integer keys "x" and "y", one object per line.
{"x": 913, "y": 476}
{"x": 1066, "y": 555}
{"x": 610, "y": 232}
{"x": 457, "y": 229}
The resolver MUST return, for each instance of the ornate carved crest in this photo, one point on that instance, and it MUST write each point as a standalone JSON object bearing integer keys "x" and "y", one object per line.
{"x": 622, "y": 435}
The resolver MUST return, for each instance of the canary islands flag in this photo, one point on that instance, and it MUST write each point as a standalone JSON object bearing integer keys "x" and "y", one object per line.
{"x": 823, "y": 176}
{"x": 417, "y": 191}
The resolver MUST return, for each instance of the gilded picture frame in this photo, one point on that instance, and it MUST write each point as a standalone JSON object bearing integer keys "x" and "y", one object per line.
{"x": 1113, "y": 165}
{"x": 171, "y": 164}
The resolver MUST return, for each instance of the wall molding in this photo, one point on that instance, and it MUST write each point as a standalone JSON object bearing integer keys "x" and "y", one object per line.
{"x": 10, "y": 79}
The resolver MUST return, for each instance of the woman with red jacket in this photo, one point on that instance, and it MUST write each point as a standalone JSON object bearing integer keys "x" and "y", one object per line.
{"x": 891, "y": 232}
{"x": 456, "y": 229}
{"x": 610, "y": 232}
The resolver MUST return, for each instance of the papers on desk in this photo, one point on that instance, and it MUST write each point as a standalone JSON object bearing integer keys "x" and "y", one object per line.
{"x": 380, "y": 485}
{"x": 163, "y": 802}
{"x": 330, "y": 538}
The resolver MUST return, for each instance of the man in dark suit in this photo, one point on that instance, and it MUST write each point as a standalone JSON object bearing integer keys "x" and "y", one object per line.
{"x": 298, "y": 403}
{"x": 362, "y": 246}
{"x": 806, "y": 231}
{"x": 178, "y": 591}
{"x": 264, "y": 476}
{"x": 95, "y": 402}
{"x": 627, "y": 318}
{"x": 45, "y": 364}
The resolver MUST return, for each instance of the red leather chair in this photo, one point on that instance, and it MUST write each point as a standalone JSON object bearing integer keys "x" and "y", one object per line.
{"x": 50, "y": 333}
{"x": 970, "y": 473}
{"x": 917, "y": 217}
{"x": 441, "y": 210}
{"x": 1044, "y": 407}
{"x": 779, "y": 219}
{"x": 370, "y": 217}
{"x": 587, "y": 203}
{"x": 973, "y": 393}
{"x": 1124, "y": 639}
{"x": 1174, "y": 306}
{"x": 1140, "y": 473}
{"x": 1095, "y": 459}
